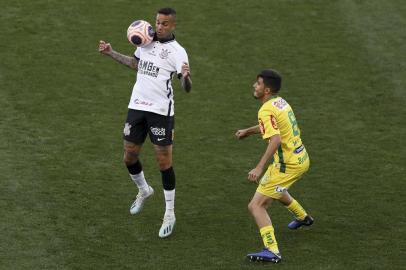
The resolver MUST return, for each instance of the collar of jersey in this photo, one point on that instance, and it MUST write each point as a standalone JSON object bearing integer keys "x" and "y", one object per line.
{"x": 272, "y": 97}
{"x": 165, "y": 40}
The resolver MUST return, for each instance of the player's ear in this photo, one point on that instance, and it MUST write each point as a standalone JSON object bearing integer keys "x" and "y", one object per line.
{"x": 173, "y": 21}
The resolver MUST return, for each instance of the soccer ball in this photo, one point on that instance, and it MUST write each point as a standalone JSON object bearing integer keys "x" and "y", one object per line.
{"x": 140, "y": 33}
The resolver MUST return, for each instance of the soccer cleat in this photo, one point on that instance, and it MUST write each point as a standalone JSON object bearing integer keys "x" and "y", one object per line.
{"x": 167, "y": 226}
{"x": 265, "y": 255}
{"x": 137, "y": 205}
{"x": 296, "y": 224}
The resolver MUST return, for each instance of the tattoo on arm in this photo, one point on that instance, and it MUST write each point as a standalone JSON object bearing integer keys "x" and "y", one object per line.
{"x": 128, "y": 61}
{"x": 186, "y": 83}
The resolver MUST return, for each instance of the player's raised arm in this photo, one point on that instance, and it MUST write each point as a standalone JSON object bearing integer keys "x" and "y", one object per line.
{"x": 185, "y": 80}
{"x": 106, "y": 49}
{"x": 242, "y": 133}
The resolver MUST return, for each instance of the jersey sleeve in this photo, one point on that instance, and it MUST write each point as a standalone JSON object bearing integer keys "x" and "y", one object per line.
{"x": 137, "y": 53}
{"x": 180, "y": 58}
{"x": 268, "y": 124}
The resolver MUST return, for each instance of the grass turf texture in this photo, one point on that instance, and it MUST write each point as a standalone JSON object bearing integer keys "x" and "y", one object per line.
{"x": 65, "y": 194}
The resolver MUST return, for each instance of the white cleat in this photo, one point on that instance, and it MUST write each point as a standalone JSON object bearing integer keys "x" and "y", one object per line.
{"x": 137, "y": 205}
{"x": 167, "y": 226}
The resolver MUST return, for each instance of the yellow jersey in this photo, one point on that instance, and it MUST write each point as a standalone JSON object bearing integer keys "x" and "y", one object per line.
{"x": 276, "y": 117}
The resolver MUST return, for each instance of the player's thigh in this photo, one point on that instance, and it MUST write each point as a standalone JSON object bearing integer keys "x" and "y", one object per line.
{"x": 136, "y": 127}
{"x": 130, "y": 147}
{"x": 260, "y": 200}
{"x": 161, "y": 129}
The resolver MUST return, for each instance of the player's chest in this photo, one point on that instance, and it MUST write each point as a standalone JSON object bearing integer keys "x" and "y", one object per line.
{"x": 158, "y": 55}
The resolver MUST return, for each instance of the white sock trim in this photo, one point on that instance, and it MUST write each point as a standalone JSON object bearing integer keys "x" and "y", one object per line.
{"x": 169, "y": 201}
{"x": 139, "y": 180}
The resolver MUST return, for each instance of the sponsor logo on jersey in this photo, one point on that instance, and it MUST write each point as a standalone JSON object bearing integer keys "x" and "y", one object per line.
{"x": 127, "y": 129}
{"x": 299, "y": 149}
{"x": 141, "y": 102}
{"x": 274, "y": 122}
{"x": 158, "y": 131}
{"x": 148, "y": 68}
{"x": 280, "y": 103}
{"x": 303, "y": 159}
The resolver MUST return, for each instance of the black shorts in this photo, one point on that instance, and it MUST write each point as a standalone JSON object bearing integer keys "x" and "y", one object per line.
{"x": 139, "y": 123}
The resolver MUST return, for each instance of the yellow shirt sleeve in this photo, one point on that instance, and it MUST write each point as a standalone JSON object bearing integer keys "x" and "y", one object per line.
{"x": 268, "y": 124}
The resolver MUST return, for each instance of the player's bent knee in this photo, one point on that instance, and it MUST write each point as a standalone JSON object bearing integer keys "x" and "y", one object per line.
{"x": 252, "y": 207}
{"x": 163, "y": 155}
{"x": 130, "y": 157}
{"x": 249, "y": 207}
{"x": 163, "y": 166}
{"x": 164, "y": 162}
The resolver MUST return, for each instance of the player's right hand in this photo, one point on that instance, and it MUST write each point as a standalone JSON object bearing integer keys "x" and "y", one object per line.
{"x": 105, "y": 48}
{"x": 241, "y": 134}
{"x": 254, "y": 174}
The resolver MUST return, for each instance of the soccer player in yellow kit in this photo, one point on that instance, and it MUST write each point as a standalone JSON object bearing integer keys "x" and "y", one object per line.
{"x": 278, "y": 126}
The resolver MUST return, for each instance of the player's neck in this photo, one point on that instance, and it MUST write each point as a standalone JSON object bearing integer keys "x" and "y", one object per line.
{"x": 269, "y": 97}
{"x": 165, "y": 39}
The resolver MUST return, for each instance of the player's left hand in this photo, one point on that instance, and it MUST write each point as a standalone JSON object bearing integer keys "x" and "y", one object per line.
{"x": 185, "y": 70}
{"x": 241, "y": 134}
{"x": 254, "y": 174}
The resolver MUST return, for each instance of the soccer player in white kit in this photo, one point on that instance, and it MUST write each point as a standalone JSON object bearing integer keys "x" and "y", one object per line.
{"x": 151, "y": 109}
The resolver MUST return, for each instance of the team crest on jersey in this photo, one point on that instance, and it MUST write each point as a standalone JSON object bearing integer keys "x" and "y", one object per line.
{"x": 274, "y": 122}
{"x": 164, "y": 53}
{"x": 280, "y": 104}
{"x": 127, "y": 129}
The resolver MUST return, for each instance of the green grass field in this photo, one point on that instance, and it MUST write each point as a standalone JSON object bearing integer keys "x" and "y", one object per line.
{"x": 65, "y": 193}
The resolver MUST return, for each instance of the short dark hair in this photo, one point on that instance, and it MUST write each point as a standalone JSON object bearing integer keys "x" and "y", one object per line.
{"x": 272, "y": 79}
{"x": 167, "y": 11}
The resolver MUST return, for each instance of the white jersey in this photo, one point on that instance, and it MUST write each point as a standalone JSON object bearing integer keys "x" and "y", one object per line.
{"x": 157, "y": 63}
